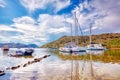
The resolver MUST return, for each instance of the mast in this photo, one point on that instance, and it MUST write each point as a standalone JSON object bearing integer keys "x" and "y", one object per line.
{"x": 76, "y": 30}
{"x": 71, "y": 34}
{"x": 90, "y": 34}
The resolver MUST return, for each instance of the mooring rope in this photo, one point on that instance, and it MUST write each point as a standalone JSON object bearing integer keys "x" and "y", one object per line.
{"x": 2, "y": 72}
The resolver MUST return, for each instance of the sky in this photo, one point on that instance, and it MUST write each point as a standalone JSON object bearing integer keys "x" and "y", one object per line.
{"x": 43, "y": 21}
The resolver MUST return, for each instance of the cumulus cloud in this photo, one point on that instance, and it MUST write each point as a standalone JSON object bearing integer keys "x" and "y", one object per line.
{"x": 101, "y": 14}
{"x": 24, "y": 20}
{"x": 53, "y": 25}
{"x": 30, "y": 30}
{"x": 2, "y": 3}
{"x": 60, "y": 4}
{"x": 24, "y": 23}
{"x": 27, "y": 30}
{"x": 32, "y": 5}
{"x": 6, "y": 28}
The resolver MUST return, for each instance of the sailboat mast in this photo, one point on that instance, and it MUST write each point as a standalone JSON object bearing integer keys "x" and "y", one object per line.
{"x": 71, "y": 34}
{"x": 90, "y": 34}
{"x": 76, "y": 30}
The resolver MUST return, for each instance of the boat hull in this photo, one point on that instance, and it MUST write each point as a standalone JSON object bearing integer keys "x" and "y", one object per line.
{"x": 2, "y": 73}
{"x": 28, "y": 52}
{"x": 96, "y": 49}
{"x": 74, "y": 49}
{"x": 5, "y": 49}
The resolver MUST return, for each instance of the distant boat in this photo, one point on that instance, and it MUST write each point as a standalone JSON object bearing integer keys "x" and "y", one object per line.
{"x": 5, "y": 48}
{"x": 19, "y": 52}
{"x": 73, "y": 45}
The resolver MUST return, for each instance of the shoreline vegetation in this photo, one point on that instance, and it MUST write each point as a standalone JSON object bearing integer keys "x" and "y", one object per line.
{"x": 109, "y": 40}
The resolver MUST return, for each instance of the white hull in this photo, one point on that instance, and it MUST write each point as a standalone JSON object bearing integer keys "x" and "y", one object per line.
{"x": 73, "y": 49}
{"x": 95, "y": 47}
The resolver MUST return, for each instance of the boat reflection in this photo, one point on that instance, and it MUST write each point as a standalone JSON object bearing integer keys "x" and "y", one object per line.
{"x": 73, "y": 53}
{"x": 99, "y": 52}
{"x": 63, "y": 66}
{"x": 82, "y": 70}
{"x": 103, "y": 56}
{"x": 5, "y": 52}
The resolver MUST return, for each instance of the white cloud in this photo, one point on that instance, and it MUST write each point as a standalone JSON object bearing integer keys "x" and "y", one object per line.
{"x": 53, "y": 24}
{"x": 102, "y": 14}
{"x": 2, "y": 3}
{"x": 60, "y": 4}
{"x": 59, "y": 30}
{"x": 27, "y": 30}
{"x": 24, "y": 20}
{"x": 24, "y": 23}
{"x": 32, "y": 5}
{"x": 6, "y": 28}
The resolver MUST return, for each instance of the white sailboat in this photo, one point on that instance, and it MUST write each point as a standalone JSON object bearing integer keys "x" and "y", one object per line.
{"x": 94, "y": 46}
{"x": 73, "y": 46}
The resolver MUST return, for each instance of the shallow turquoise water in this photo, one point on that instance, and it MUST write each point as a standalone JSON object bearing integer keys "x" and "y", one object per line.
{"x": 56, "y": 67}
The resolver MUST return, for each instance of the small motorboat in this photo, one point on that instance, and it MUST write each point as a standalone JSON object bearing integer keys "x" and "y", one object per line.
{"x": 5, "y": 48}
{"x": 2, "y": 73}
{"x": 19, "y": 52}
{"x": 28, "y": 51}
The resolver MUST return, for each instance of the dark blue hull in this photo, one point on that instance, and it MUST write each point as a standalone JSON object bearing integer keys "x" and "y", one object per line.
{"x": 2, "y": 73}
{"x": 28, "y": 52}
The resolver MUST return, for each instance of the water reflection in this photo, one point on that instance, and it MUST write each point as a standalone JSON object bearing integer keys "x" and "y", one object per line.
{"x": 97, "y": 52}
{"x": 88, "y": 66}
{"x": 5, "y": 53}
{"x": 103, "y": 56}
{"x": 63, "y": 66}
{"x": 78, "y": 69}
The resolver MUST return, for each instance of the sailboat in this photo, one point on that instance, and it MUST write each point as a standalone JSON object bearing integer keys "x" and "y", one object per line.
{"x": 94, "y": 46}
{"x": 73, "y": 46}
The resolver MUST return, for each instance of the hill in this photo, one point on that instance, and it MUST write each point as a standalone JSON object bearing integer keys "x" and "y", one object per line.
{"x": 109, "y": 40}
{"x": 18, "y": 45}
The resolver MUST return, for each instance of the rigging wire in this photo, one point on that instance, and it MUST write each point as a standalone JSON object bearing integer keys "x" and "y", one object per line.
{"x": 81, "y": 32}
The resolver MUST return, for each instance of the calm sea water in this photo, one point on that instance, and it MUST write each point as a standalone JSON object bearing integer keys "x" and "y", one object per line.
{"x": 101, "y": 65}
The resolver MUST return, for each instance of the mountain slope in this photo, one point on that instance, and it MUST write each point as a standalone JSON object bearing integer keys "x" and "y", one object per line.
{"x": 18, "y": 45}
{"x": 110, "y": 40}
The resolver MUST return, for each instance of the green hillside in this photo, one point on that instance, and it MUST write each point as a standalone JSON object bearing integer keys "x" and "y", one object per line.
{"x": 110, "y": 40}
